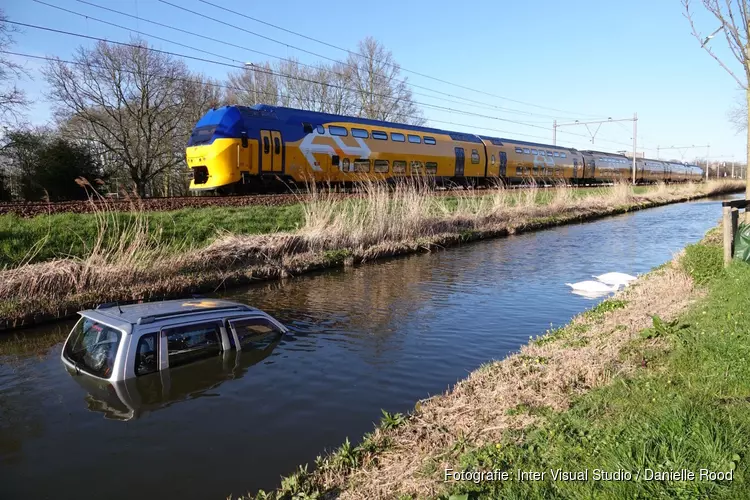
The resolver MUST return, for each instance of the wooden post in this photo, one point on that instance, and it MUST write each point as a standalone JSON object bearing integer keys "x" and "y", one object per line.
{"x": 728, "y": 234}
{"x": 735, "y": 224}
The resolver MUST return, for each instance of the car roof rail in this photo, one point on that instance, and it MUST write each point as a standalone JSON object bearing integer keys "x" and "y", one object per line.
{"x": 153, "y": 317}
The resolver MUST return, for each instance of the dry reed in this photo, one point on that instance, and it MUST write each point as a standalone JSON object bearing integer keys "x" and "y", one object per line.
{"x": 125, "y": 262}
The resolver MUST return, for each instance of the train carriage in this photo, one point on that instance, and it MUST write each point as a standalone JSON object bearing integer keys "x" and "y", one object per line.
{"x": 611, "y": 167}
{"x": 531, "y": 161}
{"x": 253, "y": 148}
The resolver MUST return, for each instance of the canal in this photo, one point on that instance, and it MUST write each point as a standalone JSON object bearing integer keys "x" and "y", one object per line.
{"x": 382, "y": 335}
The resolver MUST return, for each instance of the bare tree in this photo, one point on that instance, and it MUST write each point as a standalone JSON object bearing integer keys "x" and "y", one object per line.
{"x": 734, "y": 23}
{"x": 737, "y": 115}
{"x": 256, "y": 84}
{"x": 368, "y": 84}
{"x": 12, "y": 99}
{"x": 380, "y": 92}
{"x": 129, "y": 100}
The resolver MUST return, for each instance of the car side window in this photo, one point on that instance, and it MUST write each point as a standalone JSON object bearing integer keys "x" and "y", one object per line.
{"x": 146, "y": 355}
{"x": 255, "y": 333}
{"x": 186, "y": 344}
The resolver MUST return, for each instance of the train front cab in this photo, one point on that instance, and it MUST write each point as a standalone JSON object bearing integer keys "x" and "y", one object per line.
{"x": 232, "y": 148}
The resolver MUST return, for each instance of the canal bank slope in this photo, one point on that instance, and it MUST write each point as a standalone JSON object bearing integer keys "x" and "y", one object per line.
{"x": 126, "y": 262}
{"x": 655, "y": 380}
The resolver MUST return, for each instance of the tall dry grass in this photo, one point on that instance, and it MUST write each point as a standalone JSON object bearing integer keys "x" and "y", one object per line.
{"x": 126, "y": 261}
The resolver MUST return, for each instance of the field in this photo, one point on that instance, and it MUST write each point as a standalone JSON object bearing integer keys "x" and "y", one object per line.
{"x": 73, "y": 234}
{"x": 58, "y": 264}
{"x": 654, "y": 380}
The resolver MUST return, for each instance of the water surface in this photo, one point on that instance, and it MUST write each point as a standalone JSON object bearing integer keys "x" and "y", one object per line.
{"x": 382, "y": 335}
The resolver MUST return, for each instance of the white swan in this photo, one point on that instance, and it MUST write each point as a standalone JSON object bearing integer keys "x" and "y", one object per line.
{"x": 591, "y": 286}
{"x": 616, "y": 278}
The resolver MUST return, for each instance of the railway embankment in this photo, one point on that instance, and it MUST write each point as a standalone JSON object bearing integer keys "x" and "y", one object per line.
{"x": 130, "y": 258}
{"x": 643, "y": 396}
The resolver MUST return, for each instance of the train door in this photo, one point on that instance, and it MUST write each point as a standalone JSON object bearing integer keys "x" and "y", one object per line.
{"x": 575, "y": 168}
{"x": 266, "y": 151}
{"x": 278, "y": 151}
{"x": 503, "y": 163}
{"x": 271, "y": 151}
{"x": 459, "y": 162}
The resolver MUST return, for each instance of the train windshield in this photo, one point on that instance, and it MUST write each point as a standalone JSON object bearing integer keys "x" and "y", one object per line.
{"x": 201, "y": 135}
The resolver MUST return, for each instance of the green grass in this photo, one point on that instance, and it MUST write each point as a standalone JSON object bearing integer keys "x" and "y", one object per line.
{"x": 73, "y": 234}
{"x": 688, "y": 409}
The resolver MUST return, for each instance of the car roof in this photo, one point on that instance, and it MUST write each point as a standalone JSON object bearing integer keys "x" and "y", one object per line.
{"x": 149, "y": 312}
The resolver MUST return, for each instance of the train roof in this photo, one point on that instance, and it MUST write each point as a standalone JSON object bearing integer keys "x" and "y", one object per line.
{"x": 315, "y": 117}
{"x": 594, "y": 152}
{"x": 525, "y": 143}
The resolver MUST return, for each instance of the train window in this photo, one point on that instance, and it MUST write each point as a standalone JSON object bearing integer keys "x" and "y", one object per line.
{"x": 345, "y": 165}
{"x": 549, "y": 153}
{"x": 416, "y": 167}
{"x": 266, "y": 145}
{"x": 519, "y": 150}
{"x": 415, "y": 139}
{"x": 361, "y": 133}
{"x": 474, "y": 156}
{"x": 431, "y": 167}
{"x": 335, "y": 160}
{"x": 556, "y": 154}
{"x": 429, "y": 140}
{"x": 381, "y": 166}
{"x": 321, "y": 129}
{"x": 526, "y": 151}
{"x": 492, "y": 160}
{"x": 399, "y": 166}
{"x": 534, "y": 152}
{"x": 381, "y": 136}
{"x": 361, "y": 165}
{"x": 336, "y": 130}
{"x": 307, "y": 128}
{"x": 397, "y": 137}
{"x": 276, "y": 146}
{"x": 562, "y": 155}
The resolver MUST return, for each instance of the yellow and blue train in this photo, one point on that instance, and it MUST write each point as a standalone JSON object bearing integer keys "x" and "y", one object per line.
{"x": 254, "y": 149}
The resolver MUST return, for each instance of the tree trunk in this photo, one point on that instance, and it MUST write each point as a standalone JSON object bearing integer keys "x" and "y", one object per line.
{"x": 747, "y": 147}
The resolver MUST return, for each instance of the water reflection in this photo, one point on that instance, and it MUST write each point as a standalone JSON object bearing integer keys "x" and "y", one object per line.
{"x": 378, "y": 336}
{"x": 135, "y": 397}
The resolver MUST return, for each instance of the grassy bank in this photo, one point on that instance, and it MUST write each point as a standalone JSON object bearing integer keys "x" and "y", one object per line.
{"x": 124, "y": 260}
{"x": 71, "y": 235}
{"x": 656, "y": 379}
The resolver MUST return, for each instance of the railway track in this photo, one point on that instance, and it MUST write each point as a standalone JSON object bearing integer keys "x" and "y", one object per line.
{"x": 33, "y": 208}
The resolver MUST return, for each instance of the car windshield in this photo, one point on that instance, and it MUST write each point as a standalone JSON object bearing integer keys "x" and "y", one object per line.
{"x": 92, "y": 347}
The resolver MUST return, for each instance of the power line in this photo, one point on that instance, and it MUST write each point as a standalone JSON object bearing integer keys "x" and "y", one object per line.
{"x": 360, "y": 55}
{"x": 270, "y": 72}
{"x": 219, "y": 85}
{"x": 225, "y": 23}
{"x": 481, "y": 105}
{"x": 274, "y": 73}
{"x": 475, "y": 103}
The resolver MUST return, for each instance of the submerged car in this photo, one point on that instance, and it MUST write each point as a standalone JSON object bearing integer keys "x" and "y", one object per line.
{"x": 137, "y": 397}
{"x": 119, "y": 342}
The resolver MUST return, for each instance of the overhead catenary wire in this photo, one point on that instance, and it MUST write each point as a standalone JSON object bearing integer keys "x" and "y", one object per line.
{"x": 360, "y": 55}
{"x": 274, "y": 73}
{"x": 271, "y": 72}
{"x": 260, "y": 92}
{"x": 464, "y": 101}
{"x": 88, "y": 17}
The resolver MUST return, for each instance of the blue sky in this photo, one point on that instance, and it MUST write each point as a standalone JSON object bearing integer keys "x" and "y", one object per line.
{"x": 590, "y": 59}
